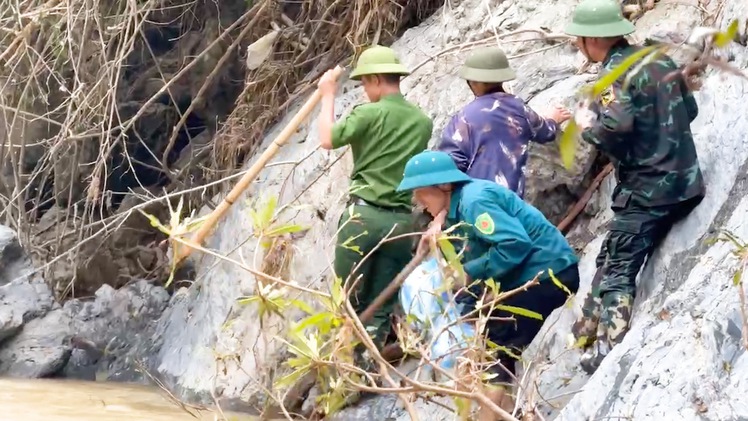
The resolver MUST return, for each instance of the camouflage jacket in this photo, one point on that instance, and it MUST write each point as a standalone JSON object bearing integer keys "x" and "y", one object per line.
{"x": 488, "y": 138}
{"x": 645, "y": 130}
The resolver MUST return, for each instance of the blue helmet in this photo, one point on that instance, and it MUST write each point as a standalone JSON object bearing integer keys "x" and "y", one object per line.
{"x": 431, "y": 168}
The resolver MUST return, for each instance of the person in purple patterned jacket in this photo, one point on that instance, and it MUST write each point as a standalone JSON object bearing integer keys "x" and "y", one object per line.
{"x": 488, "y": 139}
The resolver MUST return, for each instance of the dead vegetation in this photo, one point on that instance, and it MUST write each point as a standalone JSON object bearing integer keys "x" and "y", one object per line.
{"x": 314, "y": 36}
{"x": 109, "y": 107}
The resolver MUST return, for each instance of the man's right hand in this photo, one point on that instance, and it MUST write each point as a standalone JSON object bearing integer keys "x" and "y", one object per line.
{"x": 434, "y": 230}
{"x": 558, "y": 114}
{"x": 430, "y": 234}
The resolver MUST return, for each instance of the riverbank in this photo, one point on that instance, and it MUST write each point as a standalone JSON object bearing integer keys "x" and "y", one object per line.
{"x": 74, "y": 400}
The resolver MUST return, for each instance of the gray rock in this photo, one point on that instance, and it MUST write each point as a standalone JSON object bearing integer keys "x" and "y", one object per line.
{"x": 82, "y": 339}
{"x": 23, "y": 295}
{"x": 12, "y": 256}
{"x": 41, "y": 349}
{"x": 107, "y": 328}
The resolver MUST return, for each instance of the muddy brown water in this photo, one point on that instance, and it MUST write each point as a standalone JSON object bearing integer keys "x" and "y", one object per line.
{"x": 70, "y": 400}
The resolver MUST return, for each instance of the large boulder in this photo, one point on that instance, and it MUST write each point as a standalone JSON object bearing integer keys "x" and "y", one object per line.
{"x": 81, "y": 339}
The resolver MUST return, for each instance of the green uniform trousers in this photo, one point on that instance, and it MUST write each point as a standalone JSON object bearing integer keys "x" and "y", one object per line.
{"x": 355, "y": 249}
{"x": 635, "y": 232}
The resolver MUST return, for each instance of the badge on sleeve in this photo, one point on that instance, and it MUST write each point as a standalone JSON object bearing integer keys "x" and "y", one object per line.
{"x": 607, "y": 96}
{"x": 484, "y": 224}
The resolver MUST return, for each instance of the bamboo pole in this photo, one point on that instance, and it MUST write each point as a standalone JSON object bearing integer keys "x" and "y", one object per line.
{"x": 205, "y": 229}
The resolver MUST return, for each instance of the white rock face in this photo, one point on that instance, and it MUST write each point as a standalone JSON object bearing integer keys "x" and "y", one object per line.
{"x": 206, "y": 342}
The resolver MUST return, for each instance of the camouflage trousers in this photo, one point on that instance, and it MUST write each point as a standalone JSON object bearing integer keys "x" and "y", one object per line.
{"x": 634, "y": 234}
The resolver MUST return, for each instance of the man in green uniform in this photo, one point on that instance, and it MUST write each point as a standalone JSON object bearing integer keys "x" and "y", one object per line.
{"x": 644, "y": 127}
{"x": 383, "y": 134}
{"x": 507, "y": 240}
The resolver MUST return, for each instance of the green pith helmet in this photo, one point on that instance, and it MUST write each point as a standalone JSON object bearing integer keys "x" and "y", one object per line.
{"x": 599, "y": 19}
{"x": 488, "y": 65}
{"x": 378, "y": 60}
{"x": 430, "y": 168}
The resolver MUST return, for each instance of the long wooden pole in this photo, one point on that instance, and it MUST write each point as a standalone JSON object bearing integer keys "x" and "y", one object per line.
{"x": 578, "y": 207}
{"x": 181, "y": 252}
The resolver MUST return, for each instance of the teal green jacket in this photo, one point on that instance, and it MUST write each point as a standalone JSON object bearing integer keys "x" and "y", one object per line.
{"x": 507, "y": 240}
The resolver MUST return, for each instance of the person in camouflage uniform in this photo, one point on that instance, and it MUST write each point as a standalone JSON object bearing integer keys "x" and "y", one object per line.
{"x": 644, "y": 128}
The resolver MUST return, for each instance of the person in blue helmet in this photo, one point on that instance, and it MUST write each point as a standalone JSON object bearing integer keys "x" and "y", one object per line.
{"x": 507, "y": 240}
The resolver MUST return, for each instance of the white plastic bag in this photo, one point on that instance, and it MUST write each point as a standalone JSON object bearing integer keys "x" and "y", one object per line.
{"x": 418, "y": 296}
{"x": 423, "y": 298}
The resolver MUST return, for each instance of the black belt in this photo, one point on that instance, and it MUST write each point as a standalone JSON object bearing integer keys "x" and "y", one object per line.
{"x": 361, "y": 202}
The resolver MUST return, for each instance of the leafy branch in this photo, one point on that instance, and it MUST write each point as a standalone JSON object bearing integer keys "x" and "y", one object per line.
{"x": 698, "y": 59}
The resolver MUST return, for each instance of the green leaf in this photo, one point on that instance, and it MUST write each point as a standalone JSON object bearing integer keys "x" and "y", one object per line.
{"x": 290, "y": 379}
{"x": 301, "y": 305}
{"x": 298, "y": 362}
{"x": 175, "y": 215}
{"x": 336, "y": 292}
{"x": 155, "y": 223}
{"x": 724, "y": 38}
{"x": 495, "y": 346}
{"x": 737, "y": 277}
{"x": 611, "y": 77}
{"x": 567, "y": 145}
{"x": 193, "y": 224}
{"x": 636, "y": 69}
{"x": 448, "y": 249}
{"x": 268, "y": 212}
{"x": 580, "y": 342}
{"x": 322, "y": 321}
{"x": 349, "y": 240}
{"x": 520, "y": 311}
{"x": 492, "y": 286}
{"x": 284, "y": 229}
{"x": 463, "y": 406}
{"x": 557, "y": 282}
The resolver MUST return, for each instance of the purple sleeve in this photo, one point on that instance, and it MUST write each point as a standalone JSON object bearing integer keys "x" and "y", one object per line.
{"x": 456, "y": 142}
{"x": 542, "y": 130}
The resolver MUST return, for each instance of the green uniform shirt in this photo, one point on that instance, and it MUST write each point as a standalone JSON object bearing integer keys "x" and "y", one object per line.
{"x": 508, "y": 240}
{"x": 645, "y": 129}
{"x": 383, "y": 135}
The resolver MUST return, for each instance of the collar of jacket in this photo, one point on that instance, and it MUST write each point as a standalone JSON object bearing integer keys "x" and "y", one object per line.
{"x": 616, "y": 48}
{"x": 393, "y": 97}
{"x": 454, "y": 201}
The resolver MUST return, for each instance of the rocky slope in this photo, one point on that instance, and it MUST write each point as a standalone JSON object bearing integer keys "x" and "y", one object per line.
{"x": 682, "y": 360}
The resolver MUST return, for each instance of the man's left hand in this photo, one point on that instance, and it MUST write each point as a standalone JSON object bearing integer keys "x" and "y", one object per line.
{"x": 327, "y": 84}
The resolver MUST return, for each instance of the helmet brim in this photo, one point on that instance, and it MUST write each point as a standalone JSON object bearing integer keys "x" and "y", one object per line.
{"x": 603, "y": 30}
{"x": 487, "y": 75}
{"x": 432, "y": 179}
{"x": 378, "y": 69}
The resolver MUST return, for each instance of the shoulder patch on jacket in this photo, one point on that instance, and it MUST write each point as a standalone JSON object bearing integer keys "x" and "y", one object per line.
{"x": 485, "y": 224}
{"x": 607, "y": 96}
